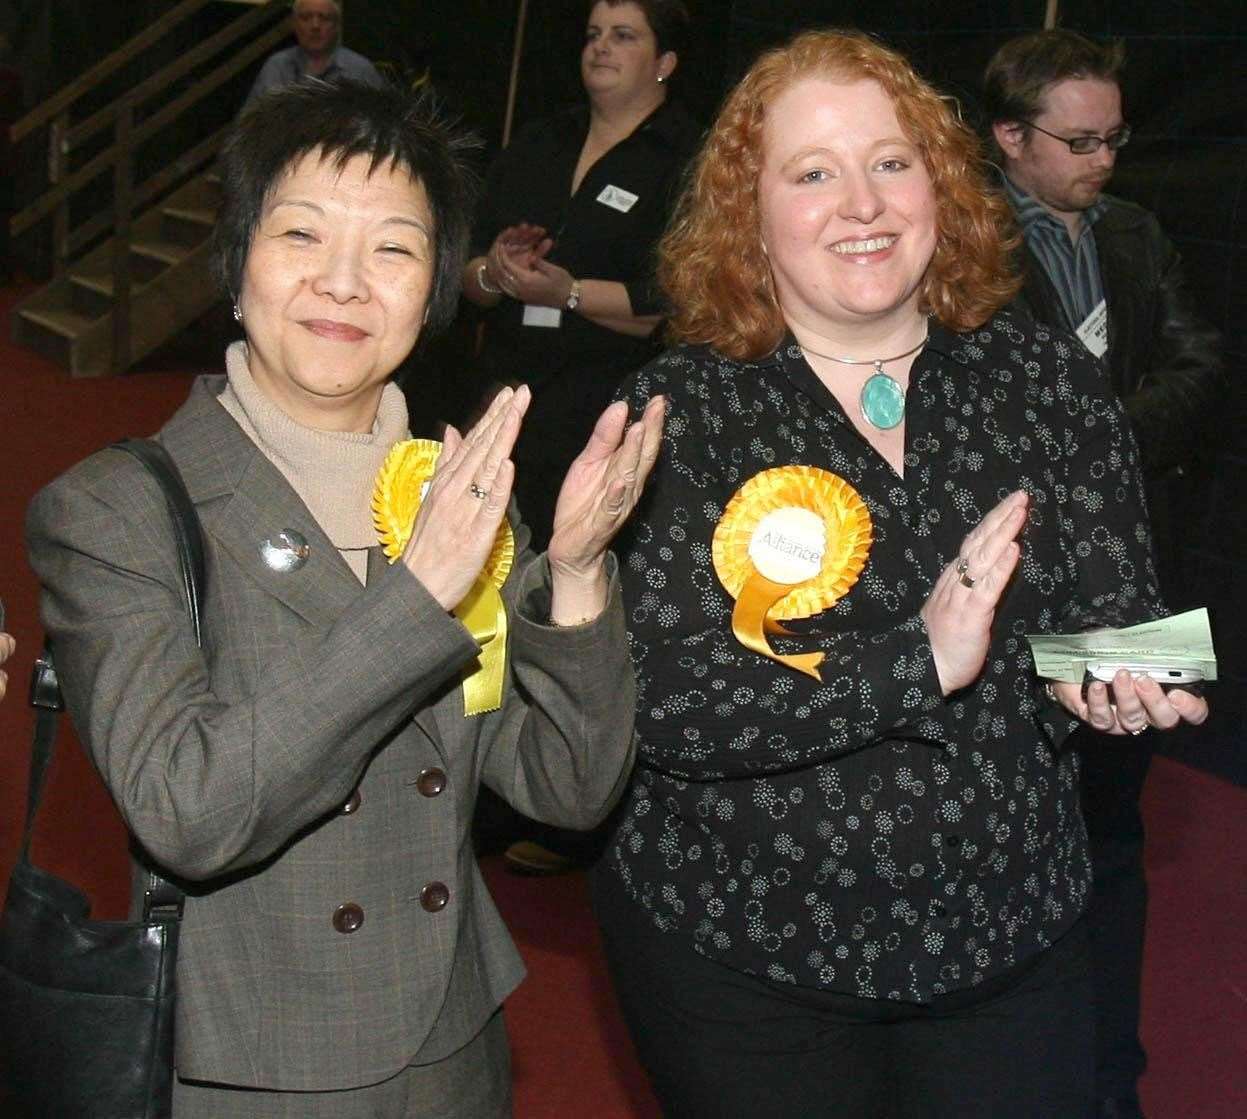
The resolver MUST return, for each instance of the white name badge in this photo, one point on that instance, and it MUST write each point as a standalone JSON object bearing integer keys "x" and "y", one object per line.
{"x": 617, "y": 198}
{"x": 788, "y": 545}
{"x": 1094, "y": 330}
{"x": 542, "y": 316}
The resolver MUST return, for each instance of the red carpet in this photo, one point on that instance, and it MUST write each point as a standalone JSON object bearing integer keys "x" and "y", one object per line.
{"x": 572, "y": 1058}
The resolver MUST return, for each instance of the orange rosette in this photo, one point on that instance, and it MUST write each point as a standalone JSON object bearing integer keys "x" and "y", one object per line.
{"x": 396, "y": 498}
{"x": 790, "y": 544}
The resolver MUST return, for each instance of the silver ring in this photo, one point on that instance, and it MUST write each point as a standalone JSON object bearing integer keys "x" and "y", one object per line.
{"x": 476, "y": 491}
{"x": 963, "y": 567}
{"x": 1140, "y": 730}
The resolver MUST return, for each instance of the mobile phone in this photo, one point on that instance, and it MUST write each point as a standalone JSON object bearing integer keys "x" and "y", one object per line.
{"x": 1170, "y": 677}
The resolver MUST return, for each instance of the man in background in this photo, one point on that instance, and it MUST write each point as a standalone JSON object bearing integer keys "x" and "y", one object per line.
{"x": 1102, "y": 269}
{"x": 317, "y": 52}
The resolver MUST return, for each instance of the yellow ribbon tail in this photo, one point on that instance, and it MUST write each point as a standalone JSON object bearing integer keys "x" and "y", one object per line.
{"x": 750, "y": 626}
{"x": 485, "y": 617}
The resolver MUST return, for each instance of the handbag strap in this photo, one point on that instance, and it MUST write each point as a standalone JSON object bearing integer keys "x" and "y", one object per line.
{"x": 162, "y": 900}
{"x": 186, "y": 529}
{"x": 46, "y": 699}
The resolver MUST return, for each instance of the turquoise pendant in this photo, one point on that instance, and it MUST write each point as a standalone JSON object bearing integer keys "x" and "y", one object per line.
{"x": 882, "y": 402}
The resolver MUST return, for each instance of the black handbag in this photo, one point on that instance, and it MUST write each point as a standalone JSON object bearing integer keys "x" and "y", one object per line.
{"x": 86, "y": 1007}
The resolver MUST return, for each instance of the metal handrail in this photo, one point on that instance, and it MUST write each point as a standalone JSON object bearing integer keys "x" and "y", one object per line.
{"x": 64, "y": 138}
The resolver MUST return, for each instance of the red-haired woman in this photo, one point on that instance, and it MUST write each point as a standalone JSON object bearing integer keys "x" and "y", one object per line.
{"x": 849, "y": 875}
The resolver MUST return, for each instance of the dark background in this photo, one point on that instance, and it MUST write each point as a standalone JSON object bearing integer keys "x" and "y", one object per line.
{"x": 1187, "y": 161}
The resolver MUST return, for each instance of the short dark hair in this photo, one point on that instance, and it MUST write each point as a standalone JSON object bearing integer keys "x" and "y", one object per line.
{"x": 341, "y": 120}
{"x": 1024, "y": 68}
{"x": 668, "y": 20}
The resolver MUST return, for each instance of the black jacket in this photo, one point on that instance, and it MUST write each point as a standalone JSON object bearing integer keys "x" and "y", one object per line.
{"x": 1163, "y": 360}
{"x": 579, "y": 364}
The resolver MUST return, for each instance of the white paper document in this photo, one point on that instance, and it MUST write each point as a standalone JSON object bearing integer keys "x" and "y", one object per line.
{"x": 1182, "y": 641}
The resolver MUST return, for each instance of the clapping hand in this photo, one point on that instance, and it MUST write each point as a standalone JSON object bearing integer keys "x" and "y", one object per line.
{"x": 512, "y": 257}
{"x": 598, "y": 494}
{"x": 960, "y": 610}
{"x": 542, "y": 284}
{"x": 466, "y": 501}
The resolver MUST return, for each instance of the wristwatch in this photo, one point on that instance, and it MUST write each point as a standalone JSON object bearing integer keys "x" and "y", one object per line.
{"x": 573, "y": 296}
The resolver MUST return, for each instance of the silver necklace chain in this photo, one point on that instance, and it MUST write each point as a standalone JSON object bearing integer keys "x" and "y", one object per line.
{"x": 877, "y": 362}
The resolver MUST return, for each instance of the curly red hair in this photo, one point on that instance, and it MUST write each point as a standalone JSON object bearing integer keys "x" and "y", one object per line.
{"x": 711, "y": 262}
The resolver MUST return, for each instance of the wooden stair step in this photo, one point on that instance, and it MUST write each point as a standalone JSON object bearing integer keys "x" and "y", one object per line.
{"x": 168, "y": 252}
{"x": 63, "y": 322}
{"x": 190, "y": 213}
{"x": 101, "y": 284}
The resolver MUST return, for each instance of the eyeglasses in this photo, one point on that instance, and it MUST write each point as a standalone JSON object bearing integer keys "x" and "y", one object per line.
{"x": 1087, "y": 145}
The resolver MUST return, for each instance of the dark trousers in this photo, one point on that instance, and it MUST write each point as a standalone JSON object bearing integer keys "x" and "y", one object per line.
{"x": 1113, "y": 772}
{"x": 719, "y": 1044}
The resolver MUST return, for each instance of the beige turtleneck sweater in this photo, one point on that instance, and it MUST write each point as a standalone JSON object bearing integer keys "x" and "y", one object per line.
{"x": 332, "y": 471}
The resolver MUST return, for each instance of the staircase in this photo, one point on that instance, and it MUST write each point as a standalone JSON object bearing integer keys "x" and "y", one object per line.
{"x": 70, "y": 321}
{"x": 128, "y": 280}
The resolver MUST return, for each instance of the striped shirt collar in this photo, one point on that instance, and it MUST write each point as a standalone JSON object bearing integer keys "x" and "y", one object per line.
{"x": 1072, "y": 267}
{"x": 1030, "y": 211}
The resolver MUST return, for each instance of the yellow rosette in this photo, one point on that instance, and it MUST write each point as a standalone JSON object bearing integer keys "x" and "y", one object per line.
{"x": 790, "y": 544}
{"x": 396, "y": 499}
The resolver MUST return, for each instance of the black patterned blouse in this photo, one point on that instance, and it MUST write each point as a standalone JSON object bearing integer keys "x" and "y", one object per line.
{"x": 867, "y": 835}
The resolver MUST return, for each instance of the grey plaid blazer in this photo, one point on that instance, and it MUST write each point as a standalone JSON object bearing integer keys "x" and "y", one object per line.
{"x": 232, "y": 766}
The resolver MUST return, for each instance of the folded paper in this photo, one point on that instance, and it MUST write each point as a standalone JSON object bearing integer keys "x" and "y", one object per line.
{"x": 1180, "y": 641}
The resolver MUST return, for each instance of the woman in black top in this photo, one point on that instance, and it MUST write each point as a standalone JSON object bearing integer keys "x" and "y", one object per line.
{"x": 564, "y": 237}
{"x": 851, "y": 865}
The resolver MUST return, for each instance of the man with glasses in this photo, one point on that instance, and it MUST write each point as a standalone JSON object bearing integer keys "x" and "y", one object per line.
{"x": 1102, "y": 269}
{"x": 317, "y": 52}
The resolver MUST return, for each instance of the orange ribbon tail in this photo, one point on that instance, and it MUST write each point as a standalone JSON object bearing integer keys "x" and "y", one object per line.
{"x": 750, "y": 626}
